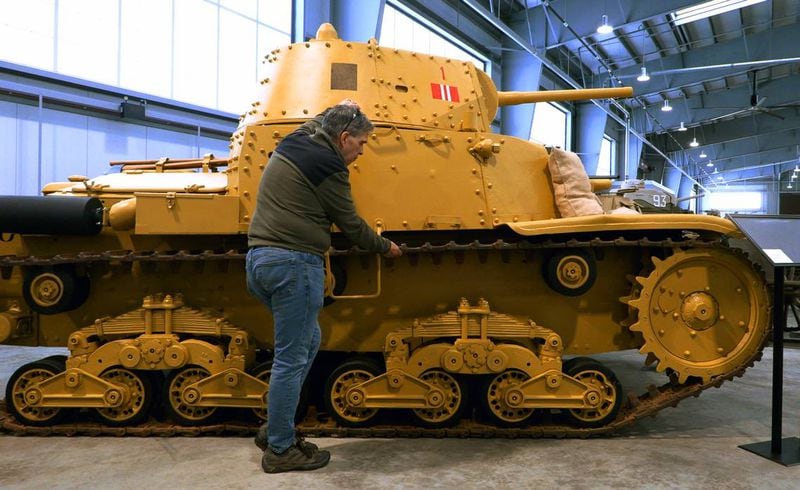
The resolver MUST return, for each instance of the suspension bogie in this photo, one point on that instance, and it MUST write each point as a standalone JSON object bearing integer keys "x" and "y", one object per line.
{"x": 429, "y": 379}
{"x": 113, "y": 361}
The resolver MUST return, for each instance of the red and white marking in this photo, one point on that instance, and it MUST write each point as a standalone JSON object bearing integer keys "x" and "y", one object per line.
{"x": 443, "y": 91}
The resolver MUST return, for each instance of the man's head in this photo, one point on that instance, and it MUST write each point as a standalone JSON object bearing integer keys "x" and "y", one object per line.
{"x": 349, "y": 128}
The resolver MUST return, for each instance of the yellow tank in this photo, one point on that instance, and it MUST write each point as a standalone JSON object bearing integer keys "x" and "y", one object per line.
{"x": 505, "y": 286}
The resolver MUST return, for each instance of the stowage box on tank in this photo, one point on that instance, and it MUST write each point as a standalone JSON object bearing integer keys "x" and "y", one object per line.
{"x": 500, "y": 297}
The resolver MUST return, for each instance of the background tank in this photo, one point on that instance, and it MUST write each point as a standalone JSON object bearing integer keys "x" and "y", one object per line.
{"x": 494, "y": 305}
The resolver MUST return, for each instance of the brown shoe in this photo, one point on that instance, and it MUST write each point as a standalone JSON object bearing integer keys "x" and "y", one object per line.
{"x": 293, "y": 459}
{"x": 261, "y": 441}
{"x": 304, "y": 445}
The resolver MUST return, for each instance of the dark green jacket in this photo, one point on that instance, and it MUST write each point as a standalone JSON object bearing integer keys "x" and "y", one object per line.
{"x": 303, "y": 190}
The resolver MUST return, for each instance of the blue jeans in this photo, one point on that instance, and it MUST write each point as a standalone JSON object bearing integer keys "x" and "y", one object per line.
{"x": 290, "y": 284}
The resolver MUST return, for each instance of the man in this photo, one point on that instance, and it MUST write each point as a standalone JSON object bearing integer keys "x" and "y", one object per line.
{"x": 304, "y": 189}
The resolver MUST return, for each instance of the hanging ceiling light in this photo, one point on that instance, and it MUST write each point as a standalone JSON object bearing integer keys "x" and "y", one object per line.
{"x": 716, "y": 171}
{"x": 694, "y": 143}
{"x": 643, "y": 77}
{"x": 796, "y": 168}
{"x": 703, "y": 154}
{"x": 666, "y": 107}
{"x": 710, "y": 164}
{"x": 789, "y": 186}
{"x": 604, "y": 27}
{"x": 682, "y": 127}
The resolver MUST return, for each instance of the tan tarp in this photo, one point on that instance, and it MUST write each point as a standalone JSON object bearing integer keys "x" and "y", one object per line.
{"x": 573, "y": 190}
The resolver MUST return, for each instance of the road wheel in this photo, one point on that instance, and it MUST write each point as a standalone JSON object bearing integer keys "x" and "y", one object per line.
{"x": 350, "y": 373}
{"x": 136, "y": 407}
{"x": 177, "y": 409}
{"x": 26, "y": 377}
{"x": 495, "y": 404}
{"x": 603, "y": 380}
{"x": 455, "y": 400}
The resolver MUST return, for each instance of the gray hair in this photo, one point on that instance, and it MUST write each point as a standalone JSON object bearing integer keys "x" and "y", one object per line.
{"x": 346, "y": 117}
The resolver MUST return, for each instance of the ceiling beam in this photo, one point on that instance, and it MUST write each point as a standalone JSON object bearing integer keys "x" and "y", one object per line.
{"x": 769, "y": 171}
{"x": 775, "y": 43}
{"x": 745, "y": 152}
{"x": 583, "y": 16}
{"x": 766, "y": 157}
{"x": 699, "y": 109}
{"x": 742, "y": 128}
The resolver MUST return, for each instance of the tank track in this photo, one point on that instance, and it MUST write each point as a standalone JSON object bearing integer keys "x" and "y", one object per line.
{"x": 646, "y": 404}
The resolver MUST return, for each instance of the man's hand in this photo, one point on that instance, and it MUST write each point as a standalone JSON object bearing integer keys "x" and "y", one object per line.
{"x": 394, "y": 251}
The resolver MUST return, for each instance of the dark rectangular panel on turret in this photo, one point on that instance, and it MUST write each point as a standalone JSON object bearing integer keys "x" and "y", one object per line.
{"x": 775, "y": 236}
{"x": 344, "y": 76}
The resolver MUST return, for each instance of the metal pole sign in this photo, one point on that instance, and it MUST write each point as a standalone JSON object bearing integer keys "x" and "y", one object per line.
{"x": 778, "y": 239}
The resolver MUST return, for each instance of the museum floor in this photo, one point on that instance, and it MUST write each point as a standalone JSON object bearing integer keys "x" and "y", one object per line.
{"x": 691, "y": 446}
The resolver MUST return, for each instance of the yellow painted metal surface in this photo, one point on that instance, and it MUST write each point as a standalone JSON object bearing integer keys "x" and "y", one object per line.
{"x": 622, "y": 222}
{"x": 186, "y": 214}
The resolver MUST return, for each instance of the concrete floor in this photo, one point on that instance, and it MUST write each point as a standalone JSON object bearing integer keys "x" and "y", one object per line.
{"x": 691, "y": 446}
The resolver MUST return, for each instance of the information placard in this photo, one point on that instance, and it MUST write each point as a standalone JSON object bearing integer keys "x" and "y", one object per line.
{"x": 777, "y": 236}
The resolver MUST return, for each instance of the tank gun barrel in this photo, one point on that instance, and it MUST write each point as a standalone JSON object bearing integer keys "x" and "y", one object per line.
{"x": 514, "y": 98}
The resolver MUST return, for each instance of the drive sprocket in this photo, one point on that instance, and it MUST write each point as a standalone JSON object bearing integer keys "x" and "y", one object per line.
{"x": 701, "y": 312}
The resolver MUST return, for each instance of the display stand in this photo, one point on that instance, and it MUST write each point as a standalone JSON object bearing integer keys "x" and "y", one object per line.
{"x": 777, "y": 238}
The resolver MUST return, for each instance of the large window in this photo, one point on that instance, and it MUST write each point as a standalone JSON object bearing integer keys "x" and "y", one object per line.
{"x": 551, "y": 125}
{"x": 735, "y": 201}
{"x": 204, "y": 52}
{"x": 607, "y": 162}
{"x": 401, "y": 31}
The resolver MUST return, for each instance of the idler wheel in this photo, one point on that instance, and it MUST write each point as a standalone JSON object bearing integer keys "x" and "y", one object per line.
{"x": 495, "y": 403}
{"x": 51, "y": 290}
{"x": 25, "y": 378}
{"x": 449, "y": 412}
{"x": 605, "y": 396}
{"x": 350, "y": 373}
{"x": 571, "y": 272}
{"x": 176, "y": 406}
{"x": 135, "y": 406}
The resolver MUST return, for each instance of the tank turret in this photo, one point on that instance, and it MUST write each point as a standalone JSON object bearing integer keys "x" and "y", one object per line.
{"x": 393, "y": 86}
{"x": 426, "y": 109}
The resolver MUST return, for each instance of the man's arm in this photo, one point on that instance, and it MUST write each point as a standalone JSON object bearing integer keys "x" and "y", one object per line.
{"x": 337, "y": 201}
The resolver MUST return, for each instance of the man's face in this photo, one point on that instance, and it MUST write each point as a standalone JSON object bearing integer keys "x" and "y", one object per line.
{"x": 351, "y": 146}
